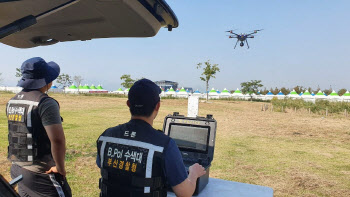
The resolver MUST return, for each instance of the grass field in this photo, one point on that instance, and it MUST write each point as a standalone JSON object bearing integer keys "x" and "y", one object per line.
{"x": 296, "y": 154}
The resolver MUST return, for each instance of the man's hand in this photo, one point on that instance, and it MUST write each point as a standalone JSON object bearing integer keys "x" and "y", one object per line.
{"x": 55, "y": 170}
{"x": 187, "y": 187}
{"x": 196, "y": 171}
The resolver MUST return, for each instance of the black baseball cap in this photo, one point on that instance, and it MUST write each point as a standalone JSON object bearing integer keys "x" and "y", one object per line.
{"x": 144, "y": 95}
{"x": 36, "y": 73}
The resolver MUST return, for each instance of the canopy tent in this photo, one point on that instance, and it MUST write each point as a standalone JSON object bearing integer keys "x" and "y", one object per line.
{"x": 119, "y": 91}
{"x": 71, "y": 89}
{"x": 269, "y": 95}
{"x": 308, "y": 97}
{"x": 99, "y": 89}
{"x": 92, "y": 87}
{"x": 293, "y": 94}
{"x": 170, "y": 92}
{"x": 225, "y": 93}
{"x": 73, "y": 86}
{"x": 334, "y": 96}
{"x": 217, "y": 90}
{"x": 182, "y": 93}
{"x": 197, "y": 93}
{"x": 320, "y": 95}
{"x": 213, "y": 94}
{"x": 81, "y": 87}
{"x": 280, "y": 95}
{"x": 346, "y": 96}
{"x": 84, "y": 89}
{"x": 53, "y": 87}
{"x": 162, "y": 94}
{"x": 237, "y": 94}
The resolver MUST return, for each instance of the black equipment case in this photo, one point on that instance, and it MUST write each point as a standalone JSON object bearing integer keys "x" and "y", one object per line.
{"x": 195, "y": 138}
{"x": 6, "y": 189}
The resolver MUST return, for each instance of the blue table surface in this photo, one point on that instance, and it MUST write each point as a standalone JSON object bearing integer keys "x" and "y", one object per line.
{"x": 223, "y": 188}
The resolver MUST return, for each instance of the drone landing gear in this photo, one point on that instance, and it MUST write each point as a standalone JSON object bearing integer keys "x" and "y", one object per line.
{"x": 247, "y": 43}
{"x": 236, "y": 44}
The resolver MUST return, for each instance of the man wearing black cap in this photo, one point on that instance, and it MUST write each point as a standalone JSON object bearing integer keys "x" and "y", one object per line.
{"x": 137, "y": 160}
{"x": 36, "y": 138}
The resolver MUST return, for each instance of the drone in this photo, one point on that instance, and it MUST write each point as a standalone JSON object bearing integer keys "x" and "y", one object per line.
{"x": 242, "y": 37}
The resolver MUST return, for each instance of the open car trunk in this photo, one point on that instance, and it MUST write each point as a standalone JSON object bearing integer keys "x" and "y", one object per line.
{"x": 84, "y": 20}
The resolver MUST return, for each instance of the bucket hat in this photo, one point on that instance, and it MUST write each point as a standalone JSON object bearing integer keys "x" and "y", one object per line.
{"x": 36, "y": 73}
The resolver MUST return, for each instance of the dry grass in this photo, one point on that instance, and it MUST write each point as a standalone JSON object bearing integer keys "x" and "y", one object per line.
{"x": 296, "y": 154}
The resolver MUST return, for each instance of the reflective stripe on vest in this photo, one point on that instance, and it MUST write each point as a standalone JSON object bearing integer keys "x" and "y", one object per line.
{"x": 30, "y": 108}
{"x": 152, "y": 148}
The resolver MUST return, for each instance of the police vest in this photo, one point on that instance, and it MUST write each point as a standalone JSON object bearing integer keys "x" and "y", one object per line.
{"x": 132, "y": 160}
{"x": 28, "y": 140}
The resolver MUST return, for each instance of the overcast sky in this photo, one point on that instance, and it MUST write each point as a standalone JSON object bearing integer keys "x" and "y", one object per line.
{"x": 303, "y": 43}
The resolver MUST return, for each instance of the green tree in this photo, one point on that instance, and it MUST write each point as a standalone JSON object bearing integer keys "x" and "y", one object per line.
{"x": 299, "y": 89}
{"x": 340, "y": 92}
{"x": 127, "y": 81}
{"x": 328, "y": 91}
{"x": 209, "y": 72}
{"x": 64, "y": 80}
{"x": 18, "y": 72}
{"x": 251, "y": 87}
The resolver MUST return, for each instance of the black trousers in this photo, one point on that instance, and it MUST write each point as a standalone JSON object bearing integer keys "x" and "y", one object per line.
{"x": 40, "y": 184}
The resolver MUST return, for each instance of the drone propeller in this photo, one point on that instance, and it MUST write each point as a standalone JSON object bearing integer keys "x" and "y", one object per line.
{"x": 256, "y": 31}
{"x": 231, "y": 31}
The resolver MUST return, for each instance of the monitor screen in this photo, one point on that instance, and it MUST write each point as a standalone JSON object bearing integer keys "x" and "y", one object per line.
{"x": 190, "y": 137}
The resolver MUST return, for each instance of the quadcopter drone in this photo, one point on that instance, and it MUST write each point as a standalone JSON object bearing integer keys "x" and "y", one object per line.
{"x": 242, "y": 37}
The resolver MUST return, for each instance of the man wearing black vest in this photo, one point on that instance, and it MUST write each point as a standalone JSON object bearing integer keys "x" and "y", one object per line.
{"x": 36, "y": 138}
{"x": 137, "y": 160}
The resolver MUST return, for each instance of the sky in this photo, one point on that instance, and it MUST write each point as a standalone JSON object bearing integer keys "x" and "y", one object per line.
{"x": 303, "y": 43}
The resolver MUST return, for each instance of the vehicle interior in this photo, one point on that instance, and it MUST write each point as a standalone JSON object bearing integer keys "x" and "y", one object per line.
{"x": 26, "y": 24}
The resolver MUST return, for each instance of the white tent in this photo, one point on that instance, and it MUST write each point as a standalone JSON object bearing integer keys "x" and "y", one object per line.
{"x": 308, "y": 97}
{"x": 170, "y": 92}
{"x": 334, "y": 97}
{"x": 293, "y": 95}
{"x": 346, "y": 97}
{"x": 119, "y": 91}
{"x": 197, "y": 93}
{"x": 237, "y": 94}
{"x": 213, "y": 94}
{"x": 269, "y": 96}
{"x": 182, "y": 93}
{"x": 280, "y": 95}
{"x": 320, "y": 96}
{"x": 225, "y": 94}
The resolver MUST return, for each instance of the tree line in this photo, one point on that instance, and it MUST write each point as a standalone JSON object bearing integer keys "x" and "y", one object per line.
{"x": 209, "y": 72}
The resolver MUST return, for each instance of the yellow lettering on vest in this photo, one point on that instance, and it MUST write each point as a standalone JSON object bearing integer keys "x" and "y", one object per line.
{"x": 109, "y": 161}
{"x": 127, "y": 166}
{"x": 133, "y": 167}
{"x": 121, "y": 165}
